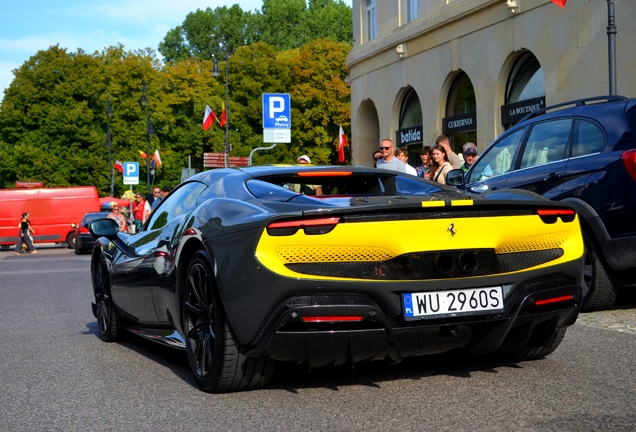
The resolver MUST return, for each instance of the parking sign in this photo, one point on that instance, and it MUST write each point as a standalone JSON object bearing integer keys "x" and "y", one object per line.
{"x": 276, "y": 118}
{"x": 131, "y": 173}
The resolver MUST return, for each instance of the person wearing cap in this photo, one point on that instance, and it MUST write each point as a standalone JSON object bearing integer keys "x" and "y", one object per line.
{"x": 307, "y": 189}
{"x": 470, "y": 155}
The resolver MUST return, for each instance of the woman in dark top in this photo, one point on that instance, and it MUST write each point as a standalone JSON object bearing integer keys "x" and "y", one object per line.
{"x": 25, "y": 235}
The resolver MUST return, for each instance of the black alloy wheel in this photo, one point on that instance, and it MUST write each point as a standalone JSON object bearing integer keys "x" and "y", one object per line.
{"x": 600, "y": 288}
{"x": 108, "y": 319}
{"x": 216, "y": 358}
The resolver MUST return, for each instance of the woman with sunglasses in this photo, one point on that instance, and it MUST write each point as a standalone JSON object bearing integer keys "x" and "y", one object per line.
{"x": 118, "y": 217}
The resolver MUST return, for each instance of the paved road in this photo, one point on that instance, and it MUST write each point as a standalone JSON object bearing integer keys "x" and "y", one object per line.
{"x": 57, "y": 375}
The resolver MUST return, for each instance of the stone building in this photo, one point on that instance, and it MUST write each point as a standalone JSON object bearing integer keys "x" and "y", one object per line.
{"x": 472, "y": 68}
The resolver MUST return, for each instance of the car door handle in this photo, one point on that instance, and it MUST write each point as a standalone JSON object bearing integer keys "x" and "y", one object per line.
{"x": 552, "y": 177}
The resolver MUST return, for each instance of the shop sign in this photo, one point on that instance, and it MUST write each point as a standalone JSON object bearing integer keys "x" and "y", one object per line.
{"x": 512, "y": 113}
{"x": 460, "y": 123}
{"x": 409, "y": 135}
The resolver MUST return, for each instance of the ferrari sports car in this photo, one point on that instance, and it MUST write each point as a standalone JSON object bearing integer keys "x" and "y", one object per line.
{"x": 244, "y": 273}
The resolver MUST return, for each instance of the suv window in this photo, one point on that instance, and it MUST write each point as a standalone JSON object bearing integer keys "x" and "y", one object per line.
{"x": 546, "y": 143}
{"x": 587, "y": 138}
{"x": 498, "y": 160}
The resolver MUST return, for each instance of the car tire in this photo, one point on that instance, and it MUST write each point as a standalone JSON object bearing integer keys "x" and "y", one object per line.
{"x": 216, "y": 358}
{"x": 108, "y": 319}
{"x": 70, "y": 240}
{"x": 600, "y": 288}
{"x": 77, "y": 250}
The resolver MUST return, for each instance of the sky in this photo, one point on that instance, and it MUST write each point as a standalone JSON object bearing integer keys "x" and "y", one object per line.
{"x": 27, "y": 26}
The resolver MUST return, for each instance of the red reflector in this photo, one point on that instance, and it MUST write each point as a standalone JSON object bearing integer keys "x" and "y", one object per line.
{"x": 553, "y": 300}
{"x": 629, "y": 160}
{"x": 304, "y": 223}
{"x": 324, "y": 173}
{"x": 189, "y": 232}
{"x": 332, "y": 318}
{"x": 552, "y": 212}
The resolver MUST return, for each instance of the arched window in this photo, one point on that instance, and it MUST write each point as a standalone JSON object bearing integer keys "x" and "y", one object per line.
{"x": 409, "y": 134}
{"x": 460, "y": 123}
{"x": 525, "y": 90}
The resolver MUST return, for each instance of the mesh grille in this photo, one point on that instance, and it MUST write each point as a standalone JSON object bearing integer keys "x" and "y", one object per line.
{"x": 310, "y": 254}
{"x": 534, "y": 243}
{"x": 430, "y": 265}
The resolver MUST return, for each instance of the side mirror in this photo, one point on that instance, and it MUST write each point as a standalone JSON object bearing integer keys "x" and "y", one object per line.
{"x": 104, "y": 228}
{"x": 455, "y": 178}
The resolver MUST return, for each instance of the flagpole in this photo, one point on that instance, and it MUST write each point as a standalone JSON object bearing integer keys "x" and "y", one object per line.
{"x": 611, "y": 46}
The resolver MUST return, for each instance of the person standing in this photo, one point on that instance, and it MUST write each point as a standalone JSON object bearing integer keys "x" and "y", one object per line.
{"x": 454, "y": 160}
{"x": 377, "y": 155}
{"x": 470, "y": 156}
{"x": 441, "y": 165}
{"x": 156, "y": 194}
{"x": 142, "y": 212}
{"x": 25, "y": 235}
{"x": 388, "y": 161}
{"x": 119, "y": 218}
{"x": 403, "y": 155}
{"x": 424, "y": 170}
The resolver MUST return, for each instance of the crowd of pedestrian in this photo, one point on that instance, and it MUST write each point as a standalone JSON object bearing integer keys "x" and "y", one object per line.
{"x": 436, "y": 162}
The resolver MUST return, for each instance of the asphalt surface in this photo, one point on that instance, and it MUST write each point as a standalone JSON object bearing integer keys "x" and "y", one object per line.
{"x": 57, "y": 374}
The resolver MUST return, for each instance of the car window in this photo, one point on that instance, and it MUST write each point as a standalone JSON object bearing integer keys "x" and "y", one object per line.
{"x": 587, "y": 138}
{"x": 498, "y": 160}
{"x": 175, "y": 204}
{"x": 546, "y": 143}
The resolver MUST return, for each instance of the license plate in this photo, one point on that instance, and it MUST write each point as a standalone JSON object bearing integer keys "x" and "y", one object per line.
{"x": 439, "y": 304}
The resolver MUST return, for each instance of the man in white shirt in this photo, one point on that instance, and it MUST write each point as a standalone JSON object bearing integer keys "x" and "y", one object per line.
{"x": 389, "y": 161}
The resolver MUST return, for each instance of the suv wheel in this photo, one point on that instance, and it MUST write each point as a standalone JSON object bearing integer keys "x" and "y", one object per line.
{"x": 600, "y": 288}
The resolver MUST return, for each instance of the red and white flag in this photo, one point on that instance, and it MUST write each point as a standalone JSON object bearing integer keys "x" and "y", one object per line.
{"x": 119, "y": 166}
{"x": 559, "y": 3}
{"x": 342, "y": 142}
{"x": 208, "y": 118}
{"x": 157, "y": 158}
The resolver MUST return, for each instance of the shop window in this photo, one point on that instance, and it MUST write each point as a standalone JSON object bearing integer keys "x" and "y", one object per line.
{"x": 371, "y": 20}
{"x": 460, "y": 124}
{"x": 525, "y": 90}
{"x": 411, "y": 10}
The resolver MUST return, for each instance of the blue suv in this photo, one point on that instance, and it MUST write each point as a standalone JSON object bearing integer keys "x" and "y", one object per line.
{"x": 582, "y": 152}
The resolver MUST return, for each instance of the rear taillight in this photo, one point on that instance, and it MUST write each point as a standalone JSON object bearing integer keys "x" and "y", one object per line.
{"x": 84, "y": 230}
{"x": 550, "y": 216}
{"x": 310, "y": 226}
{"x": 554, "y": 300}
{"x": 331, "y": 318}
{"x": 629, "y": 160}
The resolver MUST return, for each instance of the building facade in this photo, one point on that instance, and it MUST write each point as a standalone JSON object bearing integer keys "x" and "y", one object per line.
{"x": 472, "y": 68}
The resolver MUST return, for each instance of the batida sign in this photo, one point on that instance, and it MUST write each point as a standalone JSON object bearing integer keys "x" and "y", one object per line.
{"x": 409, "y": 135}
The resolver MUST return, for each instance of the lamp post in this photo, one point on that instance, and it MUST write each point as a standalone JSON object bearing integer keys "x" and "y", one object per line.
{"x": 150, "y": 132}
{"x": 611, "y": 46}
{"x": 216, "y": 73}
{"x": 109, "y": 113}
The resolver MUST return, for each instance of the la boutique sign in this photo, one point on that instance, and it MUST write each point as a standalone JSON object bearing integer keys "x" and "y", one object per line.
{"x": 409, "y": 135}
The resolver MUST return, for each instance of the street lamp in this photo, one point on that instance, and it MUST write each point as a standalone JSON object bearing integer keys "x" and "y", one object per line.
{"x": 216, "y": 73}
{"x": 150, "y": 132}
{"x": 109, "y": 113}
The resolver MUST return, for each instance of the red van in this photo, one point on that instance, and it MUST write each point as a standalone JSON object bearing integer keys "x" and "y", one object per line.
{"x": 52, "y": 210}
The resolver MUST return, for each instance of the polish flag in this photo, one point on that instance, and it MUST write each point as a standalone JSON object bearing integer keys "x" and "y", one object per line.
{"x": 208, "y": 118}
{"x": 342, "y": 142}
{"x": 156, "y": 158}
{"x": 559, "y": 3}
{"x": 119, "y": 166}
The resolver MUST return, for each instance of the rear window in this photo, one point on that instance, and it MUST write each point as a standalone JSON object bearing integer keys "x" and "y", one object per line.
{"x": 587, "y": 138}
{"x": 88, "y": 218}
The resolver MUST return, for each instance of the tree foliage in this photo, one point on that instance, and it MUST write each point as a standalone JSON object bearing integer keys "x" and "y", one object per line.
{"x": 53, "y": 116}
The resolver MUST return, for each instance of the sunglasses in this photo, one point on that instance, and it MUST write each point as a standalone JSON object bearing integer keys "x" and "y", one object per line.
{"x": 385, "y": 148}
{"x": 115, "y": 208}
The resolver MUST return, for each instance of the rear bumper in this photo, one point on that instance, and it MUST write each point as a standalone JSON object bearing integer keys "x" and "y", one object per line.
{"x": 378, "y": 337}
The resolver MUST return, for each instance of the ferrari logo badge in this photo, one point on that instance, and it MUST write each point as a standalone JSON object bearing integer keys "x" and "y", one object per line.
{"x": 451, "y": 229}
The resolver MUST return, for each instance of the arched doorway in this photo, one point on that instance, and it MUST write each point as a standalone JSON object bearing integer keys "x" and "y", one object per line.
{"x": 367, "y": 133}
{"x": 525, "y": 90}
{"x": 460, "y": 123}
{"x": 409, "y": 133}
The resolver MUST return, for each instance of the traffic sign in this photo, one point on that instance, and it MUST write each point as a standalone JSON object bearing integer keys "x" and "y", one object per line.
{"x": 276, "y": 118}
{"x": 217, "y": 160}
{"x": 131, "y": 173}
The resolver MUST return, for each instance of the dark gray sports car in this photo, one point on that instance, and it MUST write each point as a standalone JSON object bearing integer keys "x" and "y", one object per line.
{"x": 242, "y": 271}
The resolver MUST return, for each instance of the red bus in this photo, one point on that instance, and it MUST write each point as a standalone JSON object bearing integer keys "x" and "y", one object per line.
{"x": 52, "y": 211}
